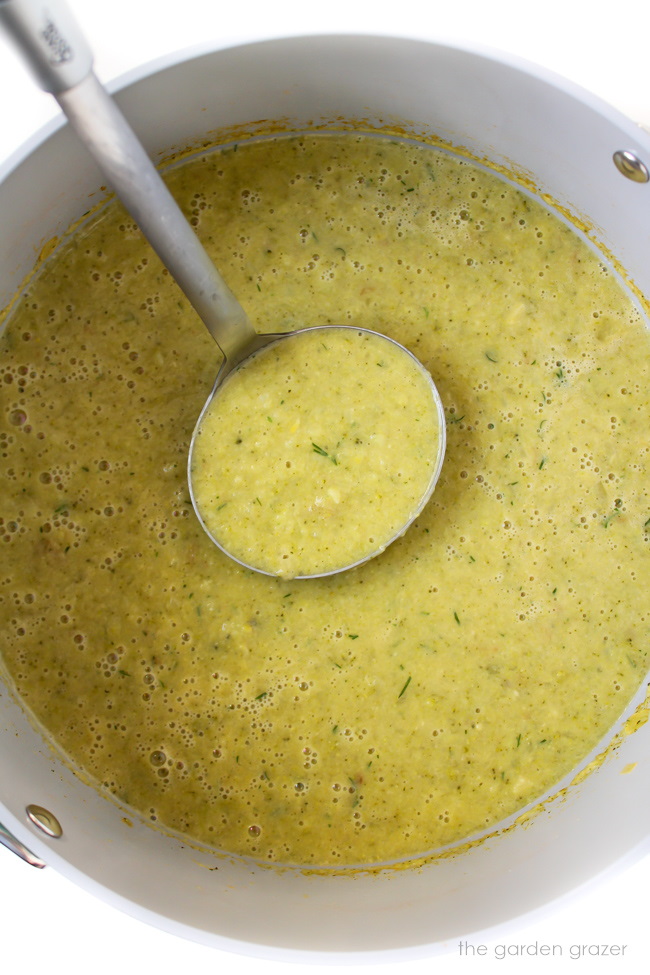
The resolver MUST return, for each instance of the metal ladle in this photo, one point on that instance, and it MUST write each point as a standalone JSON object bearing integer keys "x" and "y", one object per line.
{"x": 59, "y": 56}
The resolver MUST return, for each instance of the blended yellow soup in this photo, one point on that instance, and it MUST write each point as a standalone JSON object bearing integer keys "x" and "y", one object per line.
{"x": 316, "y": 452}
{"x": 413, "y": 701}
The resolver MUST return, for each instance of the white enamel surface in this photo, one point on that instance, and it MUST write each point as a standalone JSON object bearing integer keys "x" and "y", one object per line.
{"x": 32, "y": 903}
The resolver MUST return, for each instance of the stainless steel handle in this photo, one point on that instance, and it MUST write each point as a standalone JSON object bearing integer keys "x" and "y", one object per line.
{"x": 120, "y": 155}
{"x": 49, "y": 36}
{"x": 9, "y": 840}
{"x": 55, "y": 49}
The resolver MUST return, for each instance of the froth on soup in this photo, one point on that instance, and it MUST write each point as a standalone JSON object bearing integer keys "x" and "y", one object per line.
{"x": 412, "y": 702}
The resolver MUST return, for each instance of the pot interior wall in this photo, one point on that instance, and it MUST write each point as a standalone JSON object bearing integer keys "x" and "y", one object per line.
{"x": 563, "y": 140}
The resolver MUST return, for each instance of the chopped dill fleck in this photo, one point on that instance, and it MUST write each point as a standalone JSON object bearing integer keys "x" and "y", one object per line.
{"x": 408, "y": 681}
{"x": 456, "y": 617}
{"x": 323, "y": 453}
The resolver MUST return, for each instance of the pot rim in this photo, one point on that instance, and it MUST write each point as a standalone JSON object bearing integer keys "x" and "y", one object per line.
{"x": 124, "y": 81}
{"x": 489, "y": 52}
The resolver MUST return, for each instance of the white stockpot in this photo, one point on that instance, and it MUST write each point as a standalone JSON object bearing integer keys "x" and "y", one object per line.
{"x": 513, "y": 115}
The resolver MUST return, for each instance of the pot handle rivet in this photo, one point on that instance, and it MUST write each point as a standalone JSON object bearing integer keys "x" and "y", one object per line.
{"x": 44, "y": 820}
{"x": 629, "y": 164}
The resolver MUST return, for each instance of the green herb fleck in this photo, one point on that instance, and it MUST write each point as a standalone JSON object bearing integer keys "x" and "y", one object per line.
{"x": 404, "y": 688}
{"x": 323, "y": 453}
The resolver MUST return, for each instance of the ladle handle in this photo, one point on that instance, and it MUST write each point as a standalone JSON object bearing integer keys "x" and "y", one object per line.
{"x": 57, "y": 52}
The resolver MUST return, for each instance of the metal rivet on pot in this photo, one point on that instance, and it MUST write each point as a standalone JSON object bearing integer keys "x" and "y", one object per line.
{"x": 45, "y": 821}
{"x": 631, "y": 166}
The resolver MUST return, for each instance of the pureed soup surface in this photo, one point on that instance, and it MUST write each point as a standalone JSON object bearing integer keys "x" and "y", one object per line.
{"x": 316, "y": 452}
{"x": 413, "y": 701}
